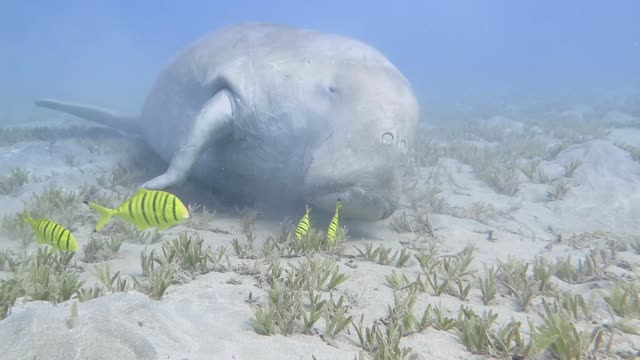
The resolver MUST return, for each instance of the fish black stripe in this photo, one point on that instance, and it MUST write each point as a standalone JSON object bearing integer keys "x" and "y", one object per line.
{"x": 54, "y": 234}
{"x": 155, "y": 213}
{"x": 303, "y": 225}
{"x": 46, "y": 224}
{"x": 142, "y": 206}
{"x": 62, "y": 231}
{"x": 333, "y": 227}
{"x": 133, "y": 208}
{"x": 138, "y": 205}
{"x": 48, "y": 234}
{"x": 164, "y": 207}
{"x": 175, "y": 214}
{"x": 40, "y": 225}
{"x": 129, "y": 208}
{"x": 68, "y": 237}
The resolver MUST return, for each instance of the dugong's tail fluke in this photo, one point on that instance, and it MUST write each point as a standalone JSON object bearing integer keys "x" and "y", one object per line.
{"x": 94, "y": 114}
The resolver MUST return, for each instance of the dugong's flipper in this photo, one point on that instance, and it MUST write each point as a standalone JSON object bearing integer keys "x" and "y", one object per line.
{"x": 213, "y": 122}
{"x": 101, "y": 116}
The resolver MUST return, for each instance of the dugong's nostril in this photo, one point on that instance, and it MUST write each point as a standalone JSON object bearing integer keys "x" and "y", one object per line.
{"x": 387, "y": 138}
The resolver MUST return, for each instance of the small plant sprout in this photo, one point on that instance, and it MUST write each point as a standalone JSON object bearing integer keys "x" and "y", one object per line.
{"x": 73, "y": 317}
{"x": 398, "y": 281}
{"x": 558, "y": 190}
{"x": 113, "y": 283}
{"x": 530, "y": 169}
{"x": 634, "y": 242}
{"x": 15, "y": 180}
{"x": 587, "y": 269}
{"x": 514, "y": 275}
{"x": 200, "y": 217}
{"x": 475, "y": 331}
{"x": 427, "y": 258}
{"x": 383, "y": 256}
{"x": 481, "y": 211}
{"x": 570, "y": 169}
{"x": 400, "y": 223}
{"x": 565, "y": 341}
{"x": 488, "y": 285}
{"x": 442, "y": 322}
{"x": 263, "y": 322}
{"x": 335, "y": 317}
{"x": 97, "y": 249}
{"x": 624, "y": 299}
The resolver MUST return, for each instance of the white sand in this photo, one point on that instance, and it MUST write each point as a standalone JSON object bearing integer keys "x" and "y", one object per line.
{"x": 208, "y": 318}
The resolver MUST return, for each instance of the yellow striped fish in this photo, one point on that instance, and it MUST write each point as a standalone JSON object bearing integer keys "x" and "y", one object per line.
{"x": 145, "y": 209}
{"x": 334, "y": 225}
{"x": 48, "y": 232}
{"x": 303, "y": 226}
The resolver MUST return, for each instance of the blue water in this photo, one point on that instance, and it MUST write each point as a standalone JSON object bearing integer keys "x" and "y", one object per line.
{"x": 456, "y": 53}
{"x": 462, "y": 57}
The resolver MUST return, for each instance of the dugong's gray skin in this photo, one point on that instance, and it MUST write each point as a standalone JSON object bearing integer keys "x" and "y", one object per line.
{"x": 276, "y": 112}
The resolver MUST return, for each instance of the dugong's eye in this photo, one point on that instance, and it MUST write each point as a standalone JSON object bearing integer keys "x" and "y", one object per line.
{"x": 403, "y": 145}
{"x": 387, "y": 138}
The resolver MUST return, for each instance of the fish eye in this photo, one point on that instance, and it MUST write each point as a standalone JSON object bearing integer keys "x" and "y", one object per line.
{"x": 387, "y": 138}
{"x": 403, "y": 145}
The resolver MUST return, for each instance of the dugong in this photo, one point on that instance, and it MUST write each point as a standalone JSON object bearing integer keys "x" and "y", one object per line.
{"x": 278, "y": 113}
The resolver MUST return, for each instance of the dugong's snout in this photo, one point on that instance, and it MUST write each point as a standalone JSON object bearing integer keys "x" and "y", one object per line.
{"x": 357, "y": 203}
{"x": 368, "y": 191}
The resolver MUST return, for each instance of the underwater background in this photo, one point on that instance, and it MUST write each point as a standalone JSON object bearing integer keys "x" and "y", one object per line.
{"x": 456, "y": 54}
{"x": 516, "y": 235}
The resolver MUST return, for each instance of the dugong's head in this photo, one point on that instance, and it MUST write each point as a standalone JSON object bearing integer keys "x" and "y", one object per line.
{"x": 372, "y": 116}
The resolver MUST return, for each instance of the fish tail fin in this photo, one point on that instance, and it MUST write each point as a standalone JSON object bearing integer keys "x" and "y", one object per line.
{"x": 27, "y": 217}
{"x": 29, "y": 220}
{"x": 105, "y": 214}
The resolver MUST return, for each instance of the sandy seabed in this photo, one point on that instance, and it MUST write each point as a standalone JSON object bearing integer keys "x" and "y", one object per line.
{"x": 560, "y": 196}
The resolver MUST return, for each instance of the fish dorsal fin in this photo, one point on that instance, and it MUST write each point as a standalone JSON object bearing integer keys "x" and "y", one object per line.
{"x": 141, "y": 191}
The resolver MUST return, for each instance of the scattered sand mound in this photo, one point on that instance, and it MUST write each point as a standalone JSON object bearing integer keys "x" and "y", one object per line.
{"x": 606, "y": 194}
{"x": 205, "y": 319}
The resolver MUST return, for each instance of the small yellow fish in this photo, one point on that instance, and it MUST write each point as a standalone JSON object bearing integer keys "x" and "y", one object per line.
{"x": 48, "y": 232}
{"x": 334, "y": 225}
{"x": 303, "y": 226}
{"x": 146, "y": 208}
